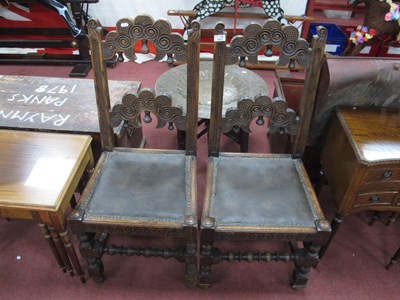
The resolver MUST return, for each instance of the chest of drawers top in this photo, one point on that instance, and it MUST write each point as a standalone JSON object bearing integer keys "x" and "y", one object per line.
{"x": 373, "y": 134}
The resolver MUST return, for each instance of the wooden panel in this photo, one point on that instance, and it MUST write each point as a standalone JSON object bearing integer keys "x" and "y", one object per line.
{"x": 386, "y": 173}
{"x": 370, "y": 199}
{"x": 339, "y": 163}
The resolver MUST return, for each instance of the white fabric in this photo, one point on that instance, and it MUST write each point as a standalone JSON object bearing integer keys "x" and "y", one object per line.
{"x": 110, "y": 11}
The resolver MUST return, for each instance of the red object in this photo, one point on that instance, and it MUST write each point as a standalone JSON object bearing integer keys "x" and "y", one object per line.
{"x": 252, "y": 2}
{"x": 36, "y": 14}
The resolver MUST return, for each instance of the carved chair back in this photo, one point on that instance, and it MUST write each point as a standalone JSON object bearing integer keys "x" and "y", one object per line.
{"x": 292, "y": 50}
{"x": 167, "y": 43}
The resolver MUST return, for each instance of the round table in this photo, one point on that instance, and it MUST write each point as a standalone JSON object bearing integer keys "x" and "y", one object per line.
{"x": 239, "y": 83}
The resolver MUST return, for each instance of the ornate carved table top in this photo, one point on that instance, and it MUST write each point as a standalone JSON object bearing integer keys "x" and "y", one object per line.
{"x": 239, "y": 82}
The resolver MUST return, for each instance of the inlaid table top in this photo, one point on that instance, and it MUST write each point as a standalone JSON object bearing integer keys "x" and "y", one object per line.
{"x": 37, "y": 168}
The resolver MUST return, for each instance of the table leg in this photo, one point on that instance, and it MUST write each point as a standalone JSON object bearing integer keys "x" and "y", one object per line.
{"x": 72, "y": 254}
{"x": 393, "y": 217}
{"x": 61, "y": 250}
{"x": 47, "y": 236}
{"x": 394, "y": 259}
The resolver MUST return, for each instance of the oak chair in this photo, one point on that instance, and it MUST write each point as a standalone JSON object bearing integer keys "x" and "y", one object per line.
{"x": 141, "y": 192}
{"x": 260, "y": 197}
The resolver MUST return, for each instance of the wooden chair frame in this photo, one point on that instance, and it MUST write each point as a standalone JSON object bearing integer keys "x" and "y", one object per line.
{"x": 92, "y": 226}
{"x": 283, "y": 120}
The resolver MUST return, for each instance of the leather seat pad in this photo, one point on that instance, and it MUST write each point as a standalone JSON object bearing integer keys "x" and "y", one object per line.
{"x": 254, "y": 191}
{"x": 141, "y": 186}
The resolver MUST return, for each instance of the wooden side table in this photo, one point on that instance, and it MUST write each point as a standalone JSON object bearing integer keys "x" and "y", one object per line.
{"x": 361, "y": 161}
{"x": 39, "y": 173}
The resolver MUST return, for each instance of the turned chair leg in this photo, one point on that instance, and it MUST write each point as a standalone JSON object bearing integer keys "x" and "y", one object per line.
{"x": 206, "y": 259}
{"x": 89, "y": 248}
{"x": 308, "y": 256}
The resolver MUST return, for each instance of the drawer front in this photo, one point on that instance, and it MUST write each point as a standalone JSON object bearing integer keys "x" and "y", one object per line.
{"x": 375, "y": 199}
{"x": 383, "y": 174}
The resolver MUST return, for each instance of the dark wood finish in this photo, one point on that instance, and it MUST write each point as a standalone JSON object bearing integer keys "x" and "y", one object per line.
{"x": 217, "y": 93}
{"x": 361, "y": 161}
{"x": 63, "y": 105}
{"x": 37, "y": 186}
{"x": 153, "y": 192}
{"x": 247, "y": 196}
{"x": 208, "y": 46}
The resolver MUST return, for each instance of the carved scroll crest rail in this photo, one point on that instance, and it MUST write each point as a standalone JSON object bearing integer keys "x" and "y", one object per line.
{"x": 292, "y": 49}
{"x": 129, "y": 31}
{"x": 281, "y": 118}
{"x": 146, "y": 101}
{"x": 255, "y": 37}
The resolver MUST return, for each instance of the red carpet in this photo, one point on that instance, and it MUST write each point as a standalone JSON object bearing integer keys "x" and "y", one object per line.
{"x": 353, "y": 267}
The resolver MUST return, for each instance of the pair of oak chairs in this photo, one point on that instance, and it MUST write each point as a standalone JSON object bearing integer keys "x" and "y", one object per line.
{"x": 153, "y": 193}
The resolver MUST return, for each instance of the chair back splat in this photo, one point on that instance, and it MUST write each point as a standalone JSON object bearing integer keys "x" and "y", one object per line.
{"x": 142, "y": 192}
{"x": 292, "y": 50}
{"x": 261, "y": 197}
{"x": 121, "y": 41}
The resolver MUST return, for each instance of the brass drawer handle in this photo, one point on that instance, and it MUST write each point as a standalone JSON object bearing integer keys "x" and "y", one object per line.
{"x": 374, "y": 198}
{"x": 387, "y": 175}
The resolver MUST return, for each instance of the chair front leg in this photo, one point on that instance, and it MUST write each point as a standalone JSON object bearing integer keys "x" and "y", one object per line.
{"x": 191, "y": 256}
{"x": 206, "y": 250}
{"x": 305, "y": 259}
{"x": 308, "y": 257}
{"x": 90, "y": 249}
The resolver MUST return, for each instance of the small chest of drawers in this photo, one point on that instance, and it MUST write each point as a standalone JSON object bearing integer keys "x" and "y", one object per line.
{"x": 361, "y": 161}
